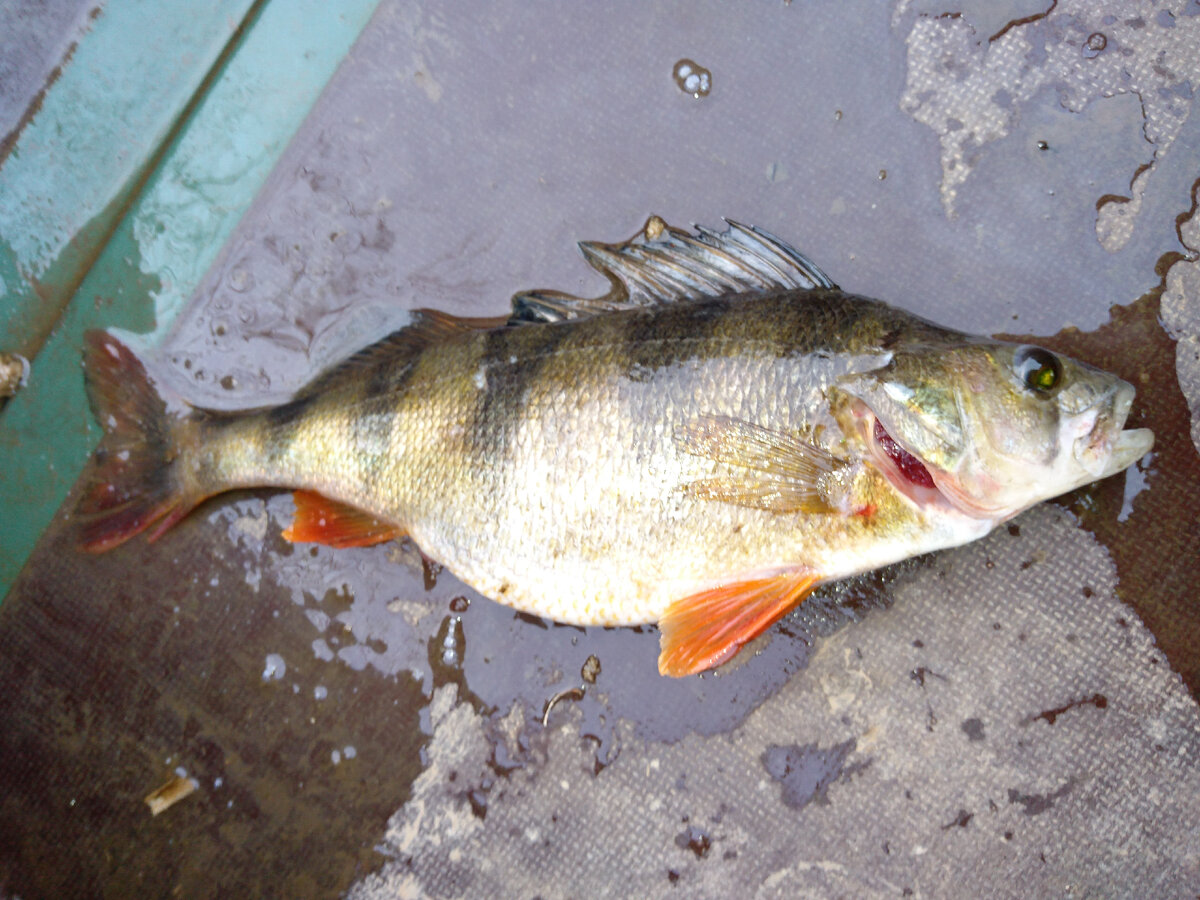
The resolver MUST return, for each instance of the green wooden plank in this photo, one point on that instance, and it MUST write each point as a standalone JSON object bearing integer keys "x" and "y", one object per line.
{"x": 168, "y": 231}
{"x": 77, "y": 163}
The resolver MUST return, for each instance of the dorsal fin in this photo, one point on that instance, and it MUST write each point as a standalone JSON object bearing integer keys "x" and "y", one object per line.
{"x": 663, "y": 264}
{"x": 428, "y": 326}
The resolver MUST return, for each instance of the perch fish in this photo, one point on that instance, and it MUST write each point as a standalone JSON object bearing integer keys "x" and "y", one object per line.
{"x": 700, "y": 448}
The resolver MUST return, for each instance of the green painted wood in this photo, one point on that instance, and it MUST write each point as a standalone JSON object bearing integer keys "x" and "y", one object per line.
{"x": 100, "y": 126}
{"x": 123, "y": 236}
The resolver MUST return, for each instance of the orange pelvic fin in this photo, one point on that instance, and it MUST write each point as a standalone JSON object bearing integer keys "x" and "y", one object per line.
{"x": 320, "y": 520}
{"x": 705, "y": 629}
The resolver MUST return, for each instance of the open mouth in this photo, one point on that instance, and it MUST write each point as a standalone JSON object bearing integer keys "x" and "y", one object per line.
{"x": 908, "y": 466}
{"x": 906, "y": 473}
{"x": 1106, "y": 449}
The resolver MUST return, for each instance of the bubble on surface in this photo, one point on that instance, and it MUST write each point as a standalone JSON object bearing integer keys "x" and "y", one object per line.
{"x": 1094, "y": 45}
{"x": 275, "y": 668}
{"x": 692, "y": 78}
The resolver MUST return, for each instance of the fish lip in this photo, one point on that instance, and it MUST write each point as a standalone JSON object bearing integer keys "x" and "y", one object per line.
{"x": 1108, "y": 448}
{"x": 1130, "y": 446}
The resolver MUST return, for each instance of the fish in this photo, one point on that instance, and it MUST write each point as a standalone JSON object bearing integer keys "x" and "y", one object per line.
{"x": 701, "y": 447}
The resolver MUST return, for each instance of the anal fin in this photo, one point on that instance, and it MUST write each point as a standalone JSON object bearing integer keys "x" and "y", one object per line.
{"x": 320, "y": 520}
{"x": 706, "y": 629}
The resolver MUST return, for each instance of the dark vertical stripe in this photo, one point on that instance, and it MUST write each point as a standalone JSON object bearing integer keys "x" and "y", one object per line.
{"x": 499, "y": 407}
{"x": 284, "y": 415}
{"x": 370, "y": 425}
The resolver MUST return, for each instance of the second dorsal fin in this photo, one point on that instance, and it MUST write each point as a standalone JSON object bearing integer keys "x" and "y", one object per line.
{"x": 663, "y": 264}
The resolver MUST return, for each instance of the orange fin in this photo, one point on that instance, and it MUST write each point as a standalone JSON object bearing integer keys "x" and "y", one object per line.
{"x": 705, "y": 629}
{"x": 320, "y": 520}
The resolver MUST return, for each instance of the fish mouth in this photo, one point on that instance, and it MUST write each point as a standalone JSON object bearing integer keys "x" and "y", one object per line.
{"x": 1131, "y": 445}
{"x": 926, "y": 486}
{"x": 1107, "y": 449}
{"x": 908, "y": 474}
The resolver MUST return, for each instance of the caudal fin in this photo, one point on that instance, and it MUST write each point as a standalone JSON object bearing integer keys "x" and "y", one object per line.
{"x": 134, "y": 484}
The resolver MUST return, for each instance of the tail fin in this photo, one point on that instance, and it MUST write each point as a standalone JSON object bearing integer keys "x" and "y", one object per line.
{"x": 134, "y": 484}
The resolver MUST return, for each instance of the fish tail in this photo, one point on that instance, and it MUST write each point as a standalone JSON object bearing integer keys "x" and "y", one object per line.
{"x": 136, "y": 480}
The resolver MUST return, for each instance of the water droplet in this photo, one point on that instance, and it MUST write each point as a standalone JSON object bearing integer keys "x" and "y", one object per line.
{"x": 275, "y": 667}
{"x": 1042, "y": 145}
{"x": 1094, "y": 45}
{"x": 228, "y": 382}
{"x": 882, "y": 174}
{"x": 692, "y": 78}
{"x": 240, "y": 280}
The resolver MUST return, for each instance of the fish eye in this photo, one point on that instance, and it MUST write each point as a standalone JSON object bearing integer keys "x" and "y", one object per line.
{"x": 1038, "y": 369}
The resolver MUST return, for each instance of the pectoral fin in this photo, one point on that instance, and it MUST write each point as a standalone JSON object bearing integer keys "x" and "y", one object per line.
{"x": 763, "y": 468}
{"x": 705, "y": 629}
{"x": 320, "y": 520}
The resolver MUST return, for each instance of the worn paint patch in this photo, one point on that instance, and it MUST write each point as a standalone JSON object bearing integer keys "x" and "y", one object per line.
{"x": 970, "y": 86}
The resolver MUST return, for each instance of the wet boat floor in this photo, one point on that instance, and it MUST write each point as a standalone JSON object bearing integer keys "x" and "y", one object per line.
{"x": 312, "y": 696}
{"x": 300, "y": 763}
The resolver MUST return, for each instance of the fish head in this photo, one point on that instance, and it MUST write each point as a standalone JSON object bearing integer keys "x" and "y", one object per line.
{"x": 990, "y": 428}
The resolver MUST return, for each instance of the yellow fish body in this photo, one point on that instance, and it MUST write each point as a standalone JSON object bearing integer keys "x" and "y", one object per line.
{"x": 722, "y": 432}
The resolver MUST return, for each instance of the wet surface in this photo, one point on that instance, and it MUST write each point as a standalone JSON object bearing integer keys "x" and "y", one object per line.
{"x": 1142, "y": 515}
{"x": 940, "y": 717}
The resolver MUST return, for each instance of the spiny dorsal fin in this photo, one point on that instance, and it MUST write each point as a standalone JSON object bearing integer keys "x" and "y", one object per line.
{"x": 663, "y": 264}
